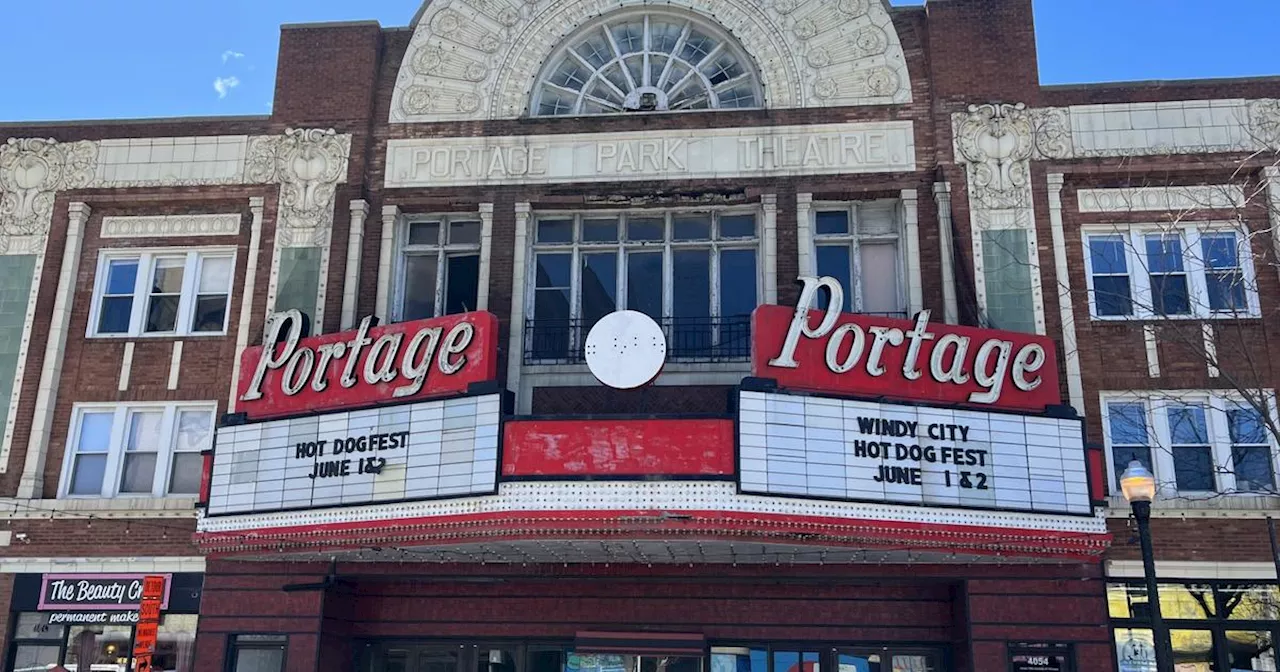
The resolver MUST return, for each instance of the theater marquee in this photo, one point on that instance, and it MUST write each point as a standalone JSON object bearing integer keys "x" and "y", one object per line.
{"x": 406, "y": 452}
{"x": 979, "y": 424}
{"x": 373, "y": 415}
{"x": 895, "y": 453}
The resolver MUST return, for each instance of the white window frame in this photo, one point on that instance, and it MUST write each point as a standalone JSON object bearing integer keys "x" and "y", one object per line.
{"x": 117, "y": 447}
{"x": 667, "y": 246}
{"x": 1216, "y": 403}
{"x": 442, "y": 251}
{"x": 1193, "y": 265}
{"x": 854, "y": 239}
{"x": 142, "y": 290}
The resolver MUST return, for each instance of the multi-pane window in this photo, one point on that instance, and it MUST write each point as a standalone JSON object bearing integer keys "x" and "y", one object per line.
{"x": 1007, "y": 274}
{"x": 1193, "y": 466}
{"x": 1148, "y": 272}
{"x": 1194, "y": 442}
{"x": 1250, "y": 449}
{"x": 859, "y": 245}
{"x": 162, "y": 293}
{"x": 1129, "y": 435}
{"x": 695, "y": 272}
{"x": 439, "y": 267}
{"x": 646, "y": 61}
{"x": 143, "y": 450}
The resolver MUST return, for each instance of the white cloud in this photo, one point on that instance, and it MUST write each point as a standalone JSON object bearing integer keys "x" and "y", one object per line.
{"x": 229, "y": 54}
{"x": 223, "y": 85}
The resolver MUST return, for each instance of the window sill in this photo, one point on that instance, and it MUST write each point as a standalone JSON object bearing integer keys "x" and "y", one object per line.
{"x": 157, "y": 337}
{"x": 76, "y": 506}
{"x": 1121, "y": 319}
{"x": 1206, "y": 505}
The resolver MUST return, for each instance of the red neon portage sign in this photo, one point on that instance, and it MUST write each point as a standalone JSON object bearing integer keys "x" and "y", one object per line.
{"x": 398, "y": 362}
{"x": 868, "y": 356}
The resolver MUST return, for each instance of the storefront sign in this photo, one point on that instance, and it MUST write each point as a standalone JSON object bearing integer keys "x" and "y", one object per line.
{"x": 404, "y": 452}
{"x": 93, "y": 592}
{"x": 883, "y": 452}
{"x": 869, "y": 356}
{"x": 819, "y": 149}
{"x": 397, "y": 362}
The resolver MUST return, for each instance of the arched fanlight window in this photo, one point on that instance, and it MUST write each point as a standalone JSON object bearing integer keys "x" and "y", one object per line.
{"x": 646, "y": 61}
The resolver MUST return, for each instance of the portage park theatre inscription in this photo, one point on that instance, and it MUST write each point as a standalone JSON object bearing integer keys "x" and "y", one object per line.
{"x": 683, "y": 154}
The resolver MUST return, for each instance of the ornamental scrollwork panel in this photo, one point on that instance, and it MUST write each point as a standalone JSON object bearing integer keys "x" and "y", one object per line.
{"x": 32, "y": 172}
{"x": 309, "y": 164}
{"x": 481, "y": 59}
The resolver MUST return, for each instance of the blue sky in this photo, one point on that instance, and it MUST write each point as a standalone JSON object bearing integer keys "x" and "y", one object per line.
{"x": 96, "y": 59}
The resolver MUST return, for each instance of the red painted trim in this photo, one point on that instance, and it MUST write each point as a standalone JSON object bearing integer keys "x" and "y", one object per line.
{"x": 618, "y": 448}
{"x": 206, "y": 478}
{"x": 641, "y": 524}
{"x": 1096, "y": 458}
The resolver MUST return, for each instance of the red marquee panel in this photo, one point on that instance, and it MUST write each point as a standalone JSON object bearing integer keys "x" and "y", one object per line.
{"x": 614, "y": 448}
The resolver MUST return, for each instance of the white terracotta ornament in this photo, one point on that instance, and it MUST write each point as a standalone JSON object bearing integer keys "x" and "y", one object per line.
{"x": 626, "y": 350}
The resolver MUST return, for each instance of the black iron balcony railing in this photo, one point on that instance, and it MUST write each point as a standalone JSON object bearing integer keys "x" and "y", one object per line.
{"x": 689, "y": 339}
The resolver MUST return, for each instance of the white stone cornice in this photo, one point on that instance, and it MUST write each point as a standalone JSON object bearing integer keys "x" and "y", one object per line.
{"x": 1177, "y": 127}
{"x": 103, "y": 565}
{"x": 84, "y": 509}
{"x": 1190, "y": 569}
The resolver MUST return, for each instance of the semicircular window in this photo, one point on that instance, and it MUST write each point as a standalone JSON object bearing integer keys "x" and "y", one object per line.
{"x": 646, "y": 62}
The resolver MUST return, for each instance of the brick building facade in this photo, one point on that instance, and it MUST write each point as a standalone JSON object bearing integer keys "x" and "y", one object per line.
{"x": 519, "y": 157}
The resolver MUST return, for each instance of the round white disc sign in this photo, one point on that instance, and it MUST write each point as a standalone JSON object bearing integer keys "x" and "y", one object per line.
{"x": 626, "y": 350}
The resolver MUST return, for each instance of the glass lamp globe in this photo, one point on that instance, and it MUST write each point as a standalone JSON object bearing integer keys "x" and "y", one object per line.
{"x": 1138, "y": 483}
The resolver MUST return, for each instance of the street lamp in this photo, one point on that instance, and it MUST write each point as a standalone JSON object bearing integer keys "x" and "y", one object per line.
{"x": 1139, "y": 487}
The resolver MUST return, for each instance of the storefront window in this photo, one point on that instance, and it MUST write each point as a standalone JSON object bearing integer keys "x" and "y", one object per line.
{"x": 260, "y": 653}
{"x": 1177, "y": 601}
{"x": 595, "y": 662}
{"x": 1251, "y": 650}
{"x": 1135, "y": 650}
{"x": 883, "y": 661}
{"x": 1247, "y": 602}
{"x": 739, "y": 659}
{"x": 36, "y": 625}
{"x": 1193, "y": 650}
{"x": 32, "y": 657}
{"x": 381, "y": 656}
{"x": 797, "y": 661}
{"x": 100, "y": 648}
{"x": 1212, "y": 625}
{"x": 176, "y": 643}
{"x": 544, "y": 659}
